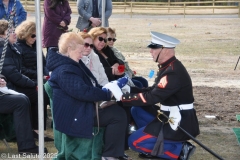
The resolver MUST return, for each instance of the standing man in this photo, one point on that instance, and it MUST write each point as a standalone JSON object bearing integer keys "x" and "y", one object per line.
{"x": 90, "y": 13}
{"x": 156, "y": 137}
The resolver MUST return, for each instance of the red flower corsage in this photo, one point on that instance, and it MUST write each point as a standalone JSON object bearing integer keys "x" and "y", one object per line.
{"x": 121, "y": 68}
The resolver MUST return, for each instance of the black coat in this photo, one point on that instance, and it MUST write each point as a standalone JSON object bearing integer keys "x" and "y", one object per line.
{"x": 12, "y": 67}
{"x": 109, "y": 62}
{"x": 172, "y": 87}
{"x": 29, "y": 60}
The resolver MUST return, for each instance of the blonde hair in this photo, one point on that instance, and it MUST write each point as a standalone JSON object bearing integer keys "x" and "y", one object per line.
{"x": 85, "y": 35}
{"x": 69, "y": 39}
{"x": 25, "y": 29}
{"x": 3, "y": 26}
{"x": 96, "y": 31}
{"x": 111, "y": 31}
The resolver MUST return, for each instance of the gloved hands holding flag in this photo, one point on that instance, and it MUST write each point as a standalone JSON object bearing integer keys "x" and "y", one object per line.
{"x": 115, "y": 87}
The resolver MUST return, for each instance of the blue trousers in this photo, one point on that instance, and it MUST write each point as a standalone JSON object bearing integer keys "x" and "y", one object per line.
{"x": 144, "y": 143}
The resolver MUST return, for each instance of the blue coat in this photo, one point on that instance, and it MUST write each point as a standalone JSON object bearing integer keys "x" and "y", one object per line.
{"x": 73, "y": 95}
{"x": 21, "y": 14}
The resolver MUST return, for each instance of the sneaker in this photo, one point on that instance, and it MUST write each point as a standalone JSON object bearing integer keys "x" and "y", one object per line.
{"x": 187, "y": 150}
{"x": 33, "y": 150}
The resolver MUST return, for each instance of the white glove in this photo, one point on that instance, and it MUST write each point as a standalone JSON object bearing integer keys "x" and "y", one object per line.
{"x": 114, "y": 88}
{"x": 175, "y": 116}
{"x": 126, "y": 89}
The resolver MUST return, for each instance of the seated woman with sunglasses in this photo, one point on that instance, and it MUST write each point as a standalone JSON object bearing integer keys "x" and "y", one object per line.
{"x": 109, "y": 61}
{"x": 91, "y": 59}
{"x": 26, "y": 34}
{"x": 75, "y": 114}
{"x": 137, "y": 80}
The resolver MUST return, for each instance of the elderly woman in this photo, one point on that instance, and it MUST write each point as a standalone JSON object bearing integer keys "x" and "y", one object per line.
{"x": 108, "y": 59}
{"x": 26, "y": 39}
{"x": 12, "y": 67}
{"x": 75, "y": 114}
{"x": 26, "y": 34}
{"x": 91, "y": 59}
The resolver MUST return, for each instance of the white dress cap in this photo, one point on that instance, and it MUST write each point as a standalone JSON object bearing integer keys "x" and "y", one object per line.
{"x": 163, "y": 40}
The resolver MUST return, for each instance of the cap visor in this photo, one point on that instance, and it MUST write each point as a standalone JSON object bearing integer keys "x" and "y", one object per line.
{"x": 154, "y": 46}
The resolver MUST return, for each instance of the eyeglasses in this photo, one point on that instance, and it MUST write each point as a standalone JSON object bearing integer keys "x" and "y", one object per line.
{"x": 88, "y": 45}
{"x": 112, "y": 39}
{"x": 102, "y": 39}
{"x": 33, "y": 35}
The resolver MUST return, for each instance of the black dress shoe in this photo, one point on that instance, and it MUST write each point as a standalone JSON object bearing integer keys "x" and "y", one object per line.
{"x": 187, "y": 150}
{"x": 46, "y": 139}
{"x": 125, "y": 157}
{"x": 148, "y": 156}
{"x": 34, "y": 150}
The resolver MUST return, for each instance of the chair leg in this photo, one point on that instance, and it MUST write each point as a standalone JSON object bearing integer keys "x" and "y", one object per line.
{"x": 6, "y": 143}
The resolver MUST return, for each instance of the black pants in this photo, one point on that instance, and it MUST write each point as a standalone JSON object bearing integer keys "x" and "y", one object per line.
{"x": 114, "y": 119}
{"x": 19, "y": 105}
{"x": 32, "y": 94}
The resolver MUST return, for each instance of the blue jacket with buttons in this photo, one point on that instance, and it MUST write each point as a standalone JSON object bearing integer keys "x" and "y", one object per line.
{"x": 73, "y": 95}
{"x": 21, "y": 14}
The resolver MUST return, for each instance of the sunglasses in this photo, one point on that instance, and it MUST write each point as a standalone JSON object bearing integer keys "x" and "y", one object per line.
{"x": 12, "y": 32}
{"x": 33, "y": 35}
{"x": 112, "y": 39}
{"x": 88, "y": 45}
{"x": 102, "y": 39}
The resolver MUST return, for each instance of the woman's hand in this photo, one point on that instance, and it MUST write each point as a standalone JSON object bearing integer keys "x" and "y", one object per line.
{"x": 3, "y": 83}
{"x": 115, "y": 70}
{"x": 62, "y": 23}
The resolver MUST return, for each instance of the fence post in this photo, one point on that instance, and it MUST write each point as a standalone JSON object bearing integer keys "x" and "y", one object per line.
{"x": 238, "y": 9}
{"x": 131, "y": 9}
{"x": 169, "y": 1}
{"x": 213, "y": 5}
{"x": 25, "y": 5}
{"x": 184, "y": 7}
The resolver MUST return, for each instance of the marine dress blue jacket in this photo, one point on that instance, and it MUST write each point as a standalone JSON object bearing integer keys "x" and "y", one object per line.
{"x": 73, "y": 95}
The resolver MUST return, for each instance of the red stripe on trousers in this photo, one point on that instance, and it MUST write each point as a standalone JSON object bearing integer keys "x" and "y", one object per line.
{"x": 171, "y": 155}
{"x": 140, "y": 140}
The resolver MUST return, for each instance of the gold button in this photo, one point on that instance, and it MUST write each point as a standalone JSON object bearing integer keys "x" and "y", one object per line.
{"x": 135, "y": 96}
{"x": 129, "y": 97}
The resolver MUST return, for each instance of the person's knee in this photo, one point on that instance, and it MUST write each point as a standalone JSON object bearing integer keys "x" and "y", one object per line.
{"x": 134, "y": 110}
{"x": 23, "y": 101}
{"x": 120, "y": 114}
{"x": 137, "y": 83}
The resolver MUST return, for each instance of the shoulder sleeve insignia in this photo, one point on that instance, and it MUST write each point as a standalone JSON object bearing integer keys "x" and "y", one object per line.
{"x": 163, "y": 82}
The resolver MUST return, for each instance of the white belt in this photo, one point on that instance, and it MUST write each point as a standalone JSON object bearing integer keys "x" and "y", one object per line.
{"x": 181, "y": 107}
